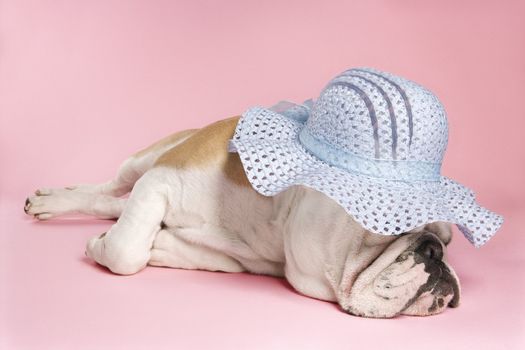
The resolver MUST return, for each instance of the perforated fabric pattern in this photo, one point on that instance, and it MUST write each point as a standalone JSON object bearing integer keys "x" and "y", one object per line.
{"x": 410, "y": 121}
{"x": 386, "y": 200}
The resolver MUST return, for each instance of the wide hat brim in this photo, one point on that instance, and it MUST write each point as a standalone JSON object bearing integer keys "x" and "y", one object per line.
{"x": 274, "y": 159}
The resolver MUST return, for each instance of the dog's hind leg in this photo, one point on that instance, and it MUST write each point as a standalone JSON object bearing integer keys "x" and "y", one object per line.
{"x": 130, "y": 170}
{"x": 126, "y": 247}
{"x": 69, "y": 202}
{"x": 96, "y": 200}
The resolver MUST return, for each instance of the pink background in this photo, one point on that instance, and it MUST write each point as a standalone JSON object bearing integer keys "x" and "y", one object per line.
{"x": 83, "y": 84}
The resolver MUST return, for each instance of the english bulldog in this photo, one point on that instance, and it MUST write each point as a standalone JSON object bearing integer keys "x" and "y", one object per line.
{"x": 191, "y": 206}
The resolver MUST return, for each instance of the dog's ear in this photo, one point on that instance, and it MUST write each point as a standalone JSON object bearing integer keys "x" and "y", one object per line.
{"x": 441, "y": 229}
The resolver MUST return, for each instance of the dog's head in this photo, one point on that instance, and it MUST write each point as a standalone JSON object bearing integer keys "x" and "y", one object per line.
{"x": 371, "y": 274}
{"x": 410, "y": 276}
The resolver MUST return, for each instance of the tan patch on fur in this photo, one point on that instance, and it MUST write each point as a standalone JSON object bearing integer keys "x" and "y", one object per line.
{"x": 169, "y": 140}
{"x": 208, "y": 146}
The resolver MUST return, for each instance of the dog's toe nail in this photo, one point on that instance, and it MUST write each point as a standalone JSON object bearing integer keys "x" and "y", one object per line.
{"x": 43, "y": 192}
{"x": 27, "y": 205}
{"x": 43, "y": 216}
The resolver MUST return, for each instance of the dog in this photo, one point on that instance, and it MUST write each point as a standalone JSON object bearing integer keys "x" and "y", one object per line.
{"x": 191, "y": 206}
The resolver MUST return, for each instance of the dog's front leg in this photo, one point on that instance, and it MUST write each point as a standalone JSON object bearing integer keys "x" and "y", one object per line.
{"x": 125, "y": 248}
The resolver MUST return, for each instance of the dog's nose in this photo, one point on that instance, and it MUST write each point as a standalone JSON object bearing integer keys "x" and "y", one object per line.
{"x": 430, "y": 249}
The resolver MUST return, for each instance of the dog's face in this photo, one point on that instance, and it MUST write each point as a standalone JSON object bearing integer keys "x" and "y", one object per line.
{"x": 442, "y": 287}
{"x": 373, "y": 275}
{"x": 411, "y": 277}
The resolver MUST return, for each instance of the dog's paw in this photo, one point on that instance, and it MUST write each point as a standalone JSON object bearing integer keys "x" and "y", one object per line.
{"x": 39, "y": 207}
{"x": 49, "y": 203}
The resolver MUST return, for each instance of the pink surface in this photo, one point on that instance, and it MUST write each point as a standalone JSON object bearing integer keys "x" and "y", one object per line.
{"x": 85, "y": 84}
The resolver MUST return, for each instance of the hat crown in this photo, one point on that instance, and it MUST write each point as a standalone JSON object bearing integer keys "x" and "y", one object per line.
{"x": 379, "y": 116}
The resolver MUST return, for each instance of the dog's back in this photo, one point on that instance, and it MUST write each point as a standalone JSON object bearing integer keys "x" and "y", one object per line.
{"x": 202, "y": 148}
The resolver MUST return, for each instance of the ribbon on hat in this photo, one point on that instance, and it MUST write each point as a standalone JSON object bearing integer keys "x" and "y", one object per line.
{"x": 294, "y": 111}
{"x": 397, "y": 170}
{"x": 298, "y": 112}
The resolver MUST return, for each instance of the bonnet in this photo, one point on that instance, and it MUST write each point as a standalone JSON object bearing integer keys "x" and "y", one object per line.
{"x": 374, "y": 143}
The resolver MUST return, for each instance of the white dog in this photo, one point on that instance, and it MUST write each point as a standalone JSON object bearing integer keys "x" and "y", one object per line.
{"x": 344, "y": 198}
{"x": 191, "y": 207}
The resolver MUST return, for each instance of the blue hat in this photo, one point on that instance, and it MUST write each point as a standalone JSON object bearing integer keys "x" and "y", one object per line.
{"x": 374, "y": 143}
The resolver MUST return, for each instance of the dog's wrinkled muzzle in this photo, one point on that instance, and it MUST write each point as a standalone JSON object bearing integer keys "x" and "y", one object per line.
{"x": 442, "y": 287}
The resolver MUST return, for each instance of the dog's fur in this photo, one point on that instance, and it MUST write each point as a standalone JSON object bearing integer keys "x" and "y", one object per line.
{"x": 191, "y": 206}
